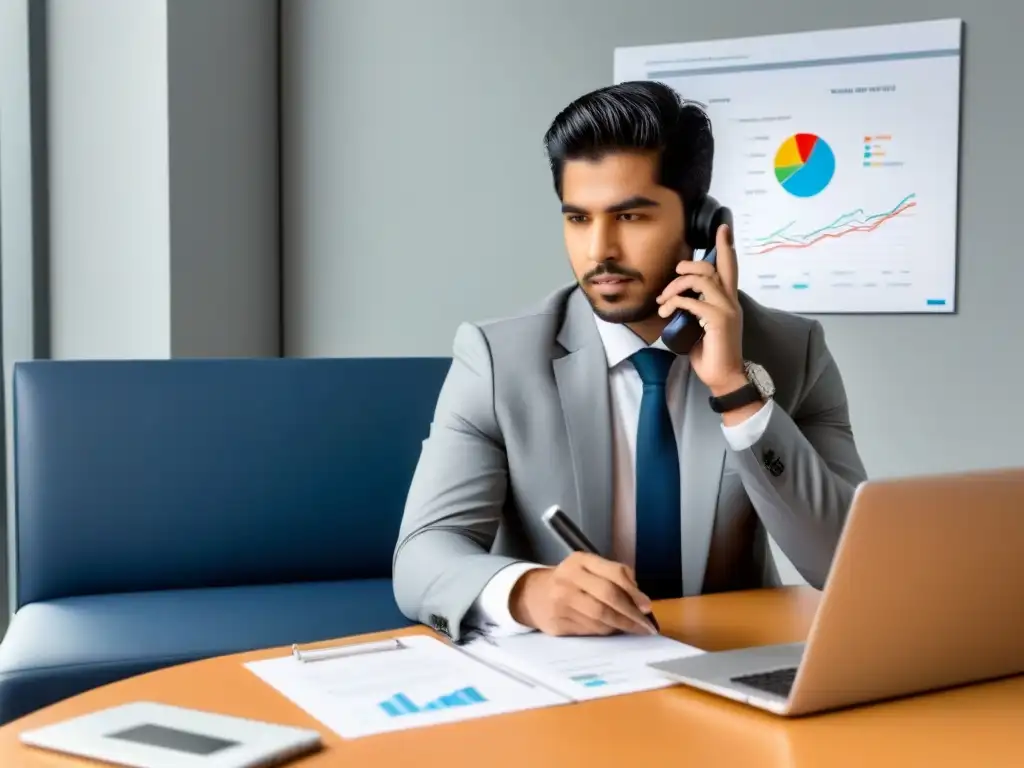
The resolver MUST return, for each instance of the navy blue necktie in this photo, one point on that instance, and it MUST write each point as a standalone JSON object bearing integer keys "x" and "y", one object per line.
{"x": 658, "y": 506}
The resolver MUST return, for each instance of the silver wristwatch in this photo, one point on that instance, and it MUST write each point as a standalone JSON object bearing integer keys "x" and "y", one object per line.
{"x": 758, "y": 376}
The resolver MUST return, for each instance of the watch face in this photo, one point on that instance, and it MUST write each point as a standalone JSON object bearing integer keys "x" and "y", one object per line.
{"x": 759, "y": 378}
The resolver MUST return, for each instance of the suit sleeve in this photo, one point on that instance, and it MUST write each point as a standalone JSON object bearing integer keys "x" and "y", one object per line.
{"x": 442, "y": 559}
{"x": 801, "y": 474}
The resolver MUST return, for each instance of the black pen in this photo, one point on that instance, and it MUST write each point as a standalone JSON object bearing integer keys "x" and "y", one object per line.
{"x": 566, "y": 530}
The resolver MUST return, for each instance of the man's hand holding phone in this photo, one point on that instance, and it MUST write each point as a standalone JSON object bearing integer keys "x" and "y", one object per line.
{"x": 584, "y": 595}
{"x": 717, "y": 359}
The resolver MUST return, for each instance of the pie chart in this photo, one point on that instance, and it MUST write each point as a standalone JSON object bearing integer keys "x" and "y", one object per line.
{"x": 804, "y": 164}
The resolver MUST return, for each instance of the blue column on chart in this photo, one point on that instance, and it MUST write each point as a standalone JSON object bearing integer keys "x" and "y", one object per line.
{"x": 400, "y": 704}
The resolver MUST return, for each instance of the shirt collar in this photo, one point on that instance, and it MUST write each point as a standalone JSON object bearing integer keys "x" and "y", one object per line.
{"x": 620, "y": 342}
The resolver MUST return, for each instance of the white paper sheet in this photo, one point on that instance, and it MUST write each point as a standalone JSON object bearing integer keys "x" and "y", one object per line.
{"x": 584, "y": 668}
{"x": 426, "y": 682}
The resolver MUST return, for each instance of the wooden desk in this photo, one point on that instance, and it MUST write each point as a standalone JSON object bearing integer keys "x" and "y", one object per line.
{"x": 980, "y": 725}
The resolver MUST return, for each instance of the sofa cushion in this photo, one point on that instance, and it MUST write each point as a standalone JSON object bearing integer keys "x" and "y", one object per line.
{"x": 62, "y": 647}
{"x": 138, "y": 475}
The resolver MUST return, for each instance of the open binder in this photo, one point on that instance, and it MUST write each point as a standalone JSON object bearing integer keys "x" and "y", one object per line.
{"x": 359, "y": 689}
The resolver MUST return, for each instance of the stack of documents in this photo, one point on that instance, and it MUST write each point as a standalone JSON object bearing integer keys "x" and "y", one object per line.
{"x": 415, "y": 681}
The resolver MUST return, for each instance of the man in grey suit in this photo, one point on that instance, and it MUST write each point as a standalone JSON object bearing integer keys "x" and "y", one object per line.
{"x": 676, "y": 467}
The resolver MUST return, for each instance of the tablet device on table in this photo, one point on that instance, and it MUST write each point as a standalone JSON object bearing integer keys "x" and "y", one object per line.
{"x": 150, "y": 735}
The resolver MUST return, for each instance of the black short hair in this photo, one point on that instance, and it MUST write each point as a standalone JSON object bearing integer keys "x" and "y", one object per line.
{"x": 638, "y": 115}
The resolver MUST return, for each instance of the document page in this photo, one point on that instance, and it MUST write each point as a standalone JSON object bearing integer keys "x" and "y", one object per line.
{"x": 584, "y": 668}
{"x": 422, "y": 681}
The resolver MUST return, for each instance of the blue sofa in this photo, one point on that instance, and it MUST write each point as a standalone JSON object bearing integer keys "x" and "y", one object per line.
{"x": 174, "y": 510}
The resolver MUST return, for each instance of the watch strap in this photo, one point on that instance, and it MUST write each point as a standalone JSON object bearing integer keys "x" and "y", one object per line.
{"x": 739, "y": 398}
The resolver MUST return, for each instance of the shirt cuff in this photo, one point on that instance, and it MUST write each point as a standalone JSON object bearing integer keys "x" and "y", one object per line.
{"x": 743, "y": 435}
{"x": 490, "y": 611}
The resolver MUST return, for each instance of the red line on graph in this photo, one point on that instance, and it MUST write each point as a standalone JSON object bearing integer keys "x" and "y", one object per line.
{"x": 835, "y": 235}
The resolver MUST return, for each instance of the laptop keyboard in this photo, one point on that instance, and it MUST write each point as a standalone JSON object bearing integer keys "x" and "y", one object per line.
{"x": 777, "y": 681}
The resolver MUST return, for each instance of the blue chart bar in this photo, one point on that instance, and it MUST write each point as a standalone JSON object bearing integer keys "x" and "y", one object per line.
{"x": 400, "y": 704}
{"x": 590, "y": 680}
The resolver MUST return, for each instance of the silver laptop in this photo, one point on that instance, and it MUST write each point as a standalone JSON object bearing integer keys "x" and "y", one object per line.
{"x": 925, "y": 593}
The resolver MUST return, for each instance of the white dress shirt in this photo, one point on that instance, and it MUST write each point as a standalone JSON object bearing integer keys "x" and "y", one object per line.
{"x": 491, "y": 608}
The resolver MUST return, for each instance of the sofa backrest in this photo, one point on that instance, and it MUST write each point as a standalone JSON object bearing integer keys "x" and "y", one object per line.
{"x": 144, "y": 475}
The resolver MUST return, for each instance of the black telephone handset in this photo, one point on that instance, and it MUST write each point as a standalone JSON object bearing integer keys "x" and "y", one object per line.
{"x": 683, "y": 329}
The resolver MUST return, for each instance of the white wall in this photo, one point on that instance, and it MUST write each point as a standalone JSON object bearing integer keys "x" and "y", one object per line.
{"x": 109, "y": 179}
{"x": 164, "y": 178}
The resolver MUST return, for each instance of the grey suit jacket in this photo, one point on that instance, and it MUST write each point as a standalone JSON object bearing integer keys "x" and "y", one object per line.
{"x": 523, "y": 422}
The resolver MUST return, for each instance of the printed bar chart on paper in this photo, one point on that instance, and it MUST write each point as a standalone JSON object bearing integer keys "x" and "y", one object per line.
{"x": 838, "y": 152}
{"x": 423, "y": 682}
{"x": 400, "y": 704}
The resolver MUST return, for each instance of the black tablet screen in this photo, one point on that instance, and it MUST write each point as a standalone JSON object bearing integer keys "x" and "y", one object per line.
{"x": 172, "y": 738}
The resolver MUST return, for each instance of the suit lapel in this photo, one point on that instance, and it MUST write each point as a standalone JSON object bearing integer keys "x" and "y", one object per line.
{"x": 702, "y": 456}
{"x": 581, "y": 375}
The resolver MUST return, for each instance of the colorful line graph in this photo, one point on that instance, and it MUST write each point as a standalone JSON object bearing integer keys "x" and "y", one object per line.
{"x": 847, "y": 224}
